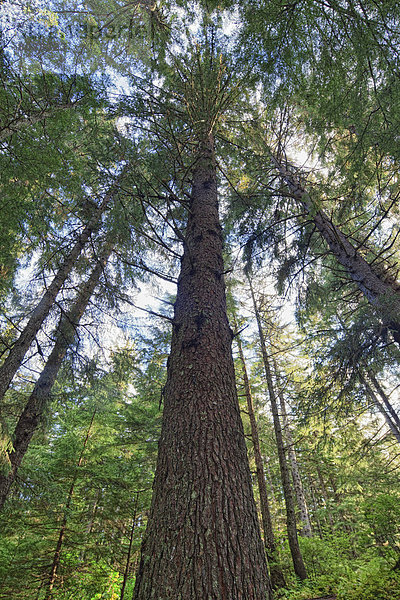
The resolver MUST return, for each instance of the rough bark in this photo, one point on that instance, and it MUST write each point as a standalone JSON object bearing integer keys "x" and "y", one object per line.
{"x": 63, "y": 528}
{"x": 306, "y": 529}
{"x": 298, "y": 563}
{"x": 39, "y": 314}
{"x": 203, "y": 539}
{"x": 41, "y": 394}
{"x": 276, "y": 574}
{"x": 383, "y": 294}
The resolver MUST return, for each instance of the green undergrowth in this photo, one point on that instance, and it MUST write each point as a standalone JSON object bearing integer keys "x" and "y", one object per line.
{"x": 336, "y": 569}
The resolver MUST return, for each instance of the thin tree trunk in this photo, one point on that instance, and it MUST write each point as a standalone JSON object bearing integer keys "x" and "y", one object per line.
{"x": 128, "y": 557}
{"x": 384, "y": 295}
{"x": 325, "y": 495}
{"x": 276, "y": 574}
{"x": 306, "y": 530}
{"x": 203, "y": 537}
{"x": 295, "y": 551}
{"x": 41, "y": 394}
{"x": 89, "y": 527}
{"x": 57, "y": 553}
{"x": 391, "y": 424}
{"x": 315, "y": 509}
{"x": 39, "y": 314}
{"x": 393, "y": 414}
{"x": 270, "y": 482}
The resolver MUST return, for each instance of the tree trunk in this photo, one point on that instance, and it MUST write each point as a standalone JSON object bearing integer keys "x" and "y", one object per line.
{"x": 89, "y": 526}
{"x": 315, "y": 509}
{"x": 128, "y": 557}
{"x": 203, "y": 538}
{"x": 57, "y": 553}
{"x": 325, "y": 496}
{"x": 276, "y": 574}
{"x": 306, "y": 530}
{"x": 383, "y": 294}
{"x": 41, "y": 394}
{"x": 391, "y": 424}
{"x": 23, "y": 343}
{"x": 298, "y": 563}
{"x": 393, "y": 414}
{"x": 270, "y": 481}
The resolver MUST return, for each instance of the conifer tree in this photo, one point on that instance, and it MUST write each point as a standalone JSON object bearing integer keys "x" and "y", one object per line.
{"x": 203, "y": 537}
{"x": 297, "y": 558}
{"x": 41, "y": 395}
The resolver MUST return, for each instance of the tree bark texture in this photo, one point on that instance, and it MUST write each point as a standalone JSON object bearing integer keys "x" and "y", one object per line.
{"x": 203, "y": 539}
{"x": 61, "y": 535}
{"x": 306, "y": 529}
{"x": 383, "y": 294}
{"x": 41, "y": 394}
{"x": 39, "y": 314}
{"x": 298, "y": 563}
{"x": 276, "y": 574}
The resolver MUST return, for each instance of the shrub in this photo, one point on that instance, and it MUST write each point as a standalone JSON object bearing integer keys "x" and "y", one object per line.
{"x": 372, "y": 581}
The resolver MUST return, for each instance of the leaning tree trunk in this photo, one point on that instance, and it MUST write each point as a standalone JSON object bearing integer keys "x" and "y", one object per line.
{"x": 383, "y": 294}
{"x": 63, "y": 528}
{"x": 276, "y": 574}
{"x": 393, "y": 414}
{"x": 306, "y": 529}
{"x": 389, "y": 421}
{"x": 298, "y": 563}
{"x": 203, "y": 538}
{"x": 41, "y": 394}
{"x": 39, "y": 314}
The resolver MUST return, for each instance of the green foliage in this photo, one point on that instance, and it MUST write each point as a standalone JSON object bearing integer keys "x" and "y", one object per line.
{"x": 118, "y": 462}
{"x": 334, "y": 570}
{"x": 372, "y": 581}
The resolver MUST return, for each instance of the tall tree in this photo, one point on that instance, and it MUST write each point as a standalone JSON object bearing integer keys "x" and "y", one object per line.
{"x": 128, "y": 556}
{"x": 41, "y": 394}
{"x": 276, "y": 574}
{"x": 306, "y": 529}
{"x": 393, "y": 426}
{"x": 294, "y": 546}
{"x": 39, "y": 314}
{"x": 386, "y": 401}
{"x": 203, "y": 538}
{"x": 380, "y": 289}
